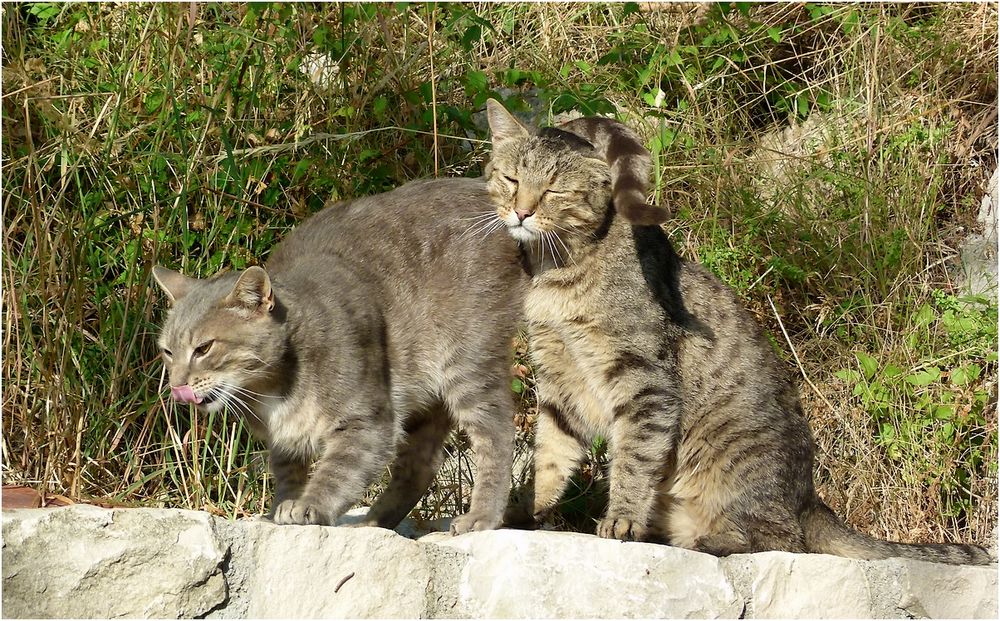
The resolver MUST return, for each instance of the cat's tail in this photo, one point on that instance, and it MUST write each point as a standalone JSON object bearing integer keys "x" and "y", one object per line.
{"x": 825, "y": 533}
{"x": 630, "y": 164}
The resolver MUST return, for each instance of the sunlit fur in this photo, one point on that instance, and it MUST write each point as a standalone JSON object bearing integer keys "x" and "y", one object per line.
{"x": 566, "y": 192}
{"x": 708, "y": 446}
{"x": 379, "y": 326}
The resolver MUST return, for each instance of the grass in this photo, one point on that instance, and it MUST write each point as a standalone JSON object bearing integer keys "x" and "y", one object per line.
{"x": 821, "y": 158}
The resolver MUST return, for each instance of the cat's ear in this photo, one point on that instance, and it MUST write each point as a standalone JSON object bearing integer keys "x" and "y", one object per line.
{"x": 174, "y": 284}
{"x": 252, "y": 291}
{"x": 503, "y": 125}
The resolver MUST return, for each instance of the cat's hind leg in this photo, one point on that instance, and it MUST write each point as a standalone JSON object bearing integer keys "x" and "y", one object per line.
{"x": 417, "y": 460}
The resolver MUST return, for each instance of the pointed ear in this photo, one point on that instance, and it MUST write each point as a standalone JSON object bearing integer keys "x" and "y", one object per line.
{"x": 252, "y": 291}
{"x": 503, "y": 125}
{"x": 174, "y": 284}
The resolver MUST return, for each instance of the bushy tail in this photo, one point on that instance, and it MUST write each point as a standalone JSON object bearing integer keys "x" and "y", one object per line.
{"x": 825, "y": 533}
{"x": 630, "y": 164}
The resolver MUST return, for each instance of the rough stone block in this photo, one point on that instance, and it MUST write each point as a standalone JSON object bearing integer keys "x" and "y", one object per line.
{"x": 517, "y": 574}
{"x": 297, "y": 570}
{"x": 84, "y": 561}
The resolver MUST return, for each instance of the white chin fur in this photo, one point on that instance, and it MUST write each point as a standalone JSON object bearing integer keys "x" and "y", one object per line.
{"x": 522, "y": 234}
{"x": 212, "y": 407}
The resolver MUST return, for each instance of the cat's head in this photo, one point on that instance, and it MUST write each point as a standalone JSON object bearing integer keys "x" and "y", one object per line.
{"x": 545, "y": 183}
{"x": 222, "y": 338}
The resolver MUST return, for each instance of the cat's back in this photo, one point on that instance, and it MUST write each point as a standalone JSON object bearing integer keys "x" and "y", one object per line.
{"x": 726, "y": 359}
{"x": 447, "y": 290}
{"x": 415, "y": 226}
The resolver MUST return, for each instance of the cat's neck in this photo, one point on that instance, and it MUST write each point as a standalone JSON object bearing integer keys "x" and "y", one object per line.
{"x": 557, "y": 251}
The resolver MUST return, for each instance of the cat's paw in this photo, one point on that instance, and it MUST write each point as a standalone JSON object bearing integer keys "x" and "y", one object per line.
{"x": 298, "y": 511}
{"x": 621, "y": 528}
{"x": 472, "y": 522}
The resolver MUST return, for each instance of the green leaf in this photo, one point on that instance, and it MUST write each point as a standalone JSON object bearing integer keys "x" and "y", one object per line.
{"x": 891, "y": 371}
{"x": 775, "y": 33}
{"x": 802, "y": 104}
{"x": 924, "y": 316}
{"x": 517, "y": 386}
{"x": 963, "y": 375}
{"x": 44, "y": 11}
{"x": 944, "y": 412}
{"x": 925, "y": 377}
{"x": 476, "y": 82}
{"x": 379, "y": 107}
{"x": 301, "y": 168}
{"x": 848, "y": 375}
{"x": 868, "y": 364}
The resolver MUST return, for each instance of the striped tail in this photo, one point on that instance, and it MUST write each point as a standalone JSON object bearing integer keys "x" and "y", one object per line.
{"x": 630, "y": 164}
{"x": 825, "y": 533}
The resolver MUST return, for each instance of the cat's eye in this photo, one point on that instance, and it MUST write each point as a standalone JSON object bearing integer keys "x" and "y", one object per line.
{"x": 555, "y": 193}
{"x": 202, "y": 349}
{"x": 510, "y": 179}
{"x": 168, "y": 353}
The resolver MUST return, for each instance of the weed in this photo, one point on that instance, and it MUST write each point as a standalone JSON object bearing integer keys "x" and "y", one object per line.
{"x": 820, "y": 155}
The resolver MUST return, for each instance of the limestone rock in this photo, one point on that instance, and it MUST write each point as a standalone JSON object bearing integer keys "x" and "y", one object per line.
{"x": 804, "y": 586}
{"x": 296, "y": 571}
{"x": 516, "y": 574}
{"x": 963, "y": 592}
{"x": 978, "y": 252}
{"x": 83, "y": 561}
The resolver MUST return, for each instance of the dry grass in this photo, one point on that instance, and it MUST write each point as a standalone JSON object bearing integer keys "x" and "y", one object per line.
{"x": 136, "y": 134}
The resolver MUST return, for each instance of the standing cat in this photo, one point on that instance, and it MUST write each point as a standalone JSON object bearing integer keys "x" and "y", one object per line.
{"x": 709, "y": 447}
{"x": 378, "y": 323}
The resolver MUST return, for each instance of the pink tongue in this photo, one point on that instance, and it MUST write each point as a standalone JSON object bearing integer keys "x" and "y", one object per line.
{"x": 184, "y": 394}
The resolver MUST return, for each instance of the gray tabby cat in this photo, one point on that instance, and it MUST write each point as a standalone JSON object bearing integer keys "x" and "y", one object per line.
{"x": 709, "y": 448}
{"x": 378, "y": 323}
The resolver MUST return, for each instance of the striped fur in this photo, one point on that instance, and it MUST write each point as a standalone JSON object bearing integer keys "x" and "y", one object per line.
{"x": 709, "y": 448}
{"x": 378, "y": 326}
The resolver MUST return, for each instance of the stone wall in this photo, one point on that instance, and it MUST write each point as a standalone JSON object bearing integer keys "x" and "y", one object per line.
{"x": 84, "y": 561}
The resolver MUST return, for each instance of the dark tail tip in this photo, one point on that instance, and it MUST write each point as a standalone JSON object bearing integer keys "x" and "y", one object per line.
{"x": 641, "y": 213}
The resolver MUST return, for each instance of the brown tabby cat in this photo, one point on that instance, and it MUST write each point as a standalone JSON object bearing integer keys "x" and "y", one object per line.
{"x": 709, "y": 448}
{"x": 378, "y": 323}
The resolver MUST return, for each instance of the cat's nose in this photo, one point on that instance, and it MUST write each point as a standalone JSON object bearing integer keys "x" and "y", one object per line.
{"x": 522, "y": 214}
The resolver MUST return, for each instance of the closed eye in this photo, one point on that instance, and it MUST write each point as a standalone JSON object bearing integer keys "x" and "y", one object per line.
{"x": 168, "y": 353}
{"x": 510, "y": 179}
{"x": 556, "y": 193}
{"x": 202, "y": 349}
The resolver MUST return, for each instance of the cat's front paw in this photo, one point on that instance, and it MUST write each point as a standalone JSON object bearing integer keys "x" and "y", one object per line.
{"x": 473, "y": 521}
{"x": 298, "y": 511}
{"x": 621, "y": 528}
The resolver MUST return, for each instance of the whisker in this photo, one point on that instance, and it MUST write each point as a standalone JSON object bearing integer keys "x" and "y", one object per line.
{"x": 479, "y": 227}
{"x": 482, "y": 216}
{"x": 569, "y": 255}
{"x": 495, "y": 226}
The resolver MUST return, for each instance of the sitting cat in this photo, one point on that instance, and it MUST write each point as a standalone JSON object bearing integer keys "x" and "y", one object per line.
{"x": 377, "y": 324}
{"x": 709, "y": 447}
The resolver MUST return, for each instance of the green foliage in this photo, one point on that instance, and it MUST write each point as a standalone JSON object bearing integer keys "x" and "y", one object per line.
{"x": 942, "y": 400}
{"x": 136, "y": 135}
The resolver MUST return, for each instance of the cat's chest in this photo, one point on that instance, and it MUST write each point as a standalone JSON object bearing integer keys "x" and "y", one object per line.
{"x": 568, "y": 334}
